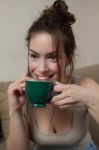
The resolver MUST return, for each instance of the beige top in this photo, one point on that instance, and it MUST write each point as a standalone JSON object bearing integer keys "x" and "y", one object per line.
{"x": 76, "y": 139}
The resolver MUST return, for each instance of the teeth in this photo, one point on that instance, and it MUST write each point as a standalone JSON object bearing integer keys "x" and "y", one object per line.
{"x": 42, "y": 78}
{"x": 36, "y": 77}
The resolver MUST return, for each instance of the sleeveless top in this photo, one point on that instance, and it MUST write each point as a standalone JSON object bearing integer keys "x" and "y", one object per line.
{"x": 76, "y": 139}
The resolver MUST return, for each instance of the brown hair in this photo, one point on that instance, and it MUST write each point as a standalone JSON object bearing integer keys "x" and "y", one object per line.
{"x": 57, "y": 21}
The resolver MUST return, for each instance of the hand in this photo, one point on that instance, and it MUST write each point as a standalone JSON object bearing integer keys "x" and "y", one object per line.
{"x": 16, "y": 94}
{"x": 71, "y": 95}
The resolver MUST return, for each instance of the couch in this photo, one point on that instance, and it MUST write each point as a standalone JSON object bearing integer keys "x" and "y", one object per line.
{"x": 90, "y": 71}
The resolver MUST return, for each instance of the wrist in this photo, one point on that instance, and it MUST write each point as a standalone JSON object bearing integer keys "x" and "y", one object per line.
{"x": 93, "y": 102}
{"x": 14, "y": 111}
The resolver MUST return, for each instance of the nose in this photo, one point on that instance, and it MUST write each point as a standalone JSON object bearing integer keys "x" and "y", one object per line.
{"x": 42, "y": 66}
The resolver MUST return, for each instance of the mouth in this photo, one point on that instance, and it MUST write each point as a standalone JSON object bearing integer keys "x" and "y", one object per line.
{"x": 43, "y": 78}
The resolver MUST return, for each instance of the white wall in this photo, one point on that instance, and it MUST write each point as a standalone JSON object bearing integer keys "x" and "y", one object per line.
{"x": 86, "y": 31}
{"x": 15, "y": 18}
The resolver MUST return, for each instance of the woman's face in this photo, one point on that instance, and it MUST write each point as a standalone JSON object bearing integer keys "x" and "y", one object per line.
{"x": 42, "y": 58}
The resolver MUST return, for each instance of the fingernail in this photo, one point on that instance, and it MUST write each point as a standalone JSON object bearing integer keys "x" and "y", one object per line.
{"x": 53, "y": 100}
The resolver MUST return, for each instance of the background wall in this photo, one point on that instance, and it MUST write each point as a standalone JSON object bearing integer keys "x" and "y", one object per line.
{"x": 16, "y": 17}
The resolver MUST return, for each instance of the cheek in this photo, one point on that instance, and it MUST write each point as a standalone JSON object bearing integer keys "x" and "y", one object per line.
{"x": 53, "y": 67}
{"x": 32, "y": 65}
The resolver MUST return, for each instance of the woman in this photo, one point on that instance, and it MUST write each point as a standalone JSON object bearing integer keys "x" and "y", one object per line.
{"x": 63, "y": 123}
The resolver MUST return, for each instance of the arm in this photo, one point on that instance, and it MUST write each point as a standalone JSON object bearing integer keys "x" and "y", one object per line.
{"x": 18, "y": 138}
{"x": 72, "y": 95}
{"x": 93, "y": 102}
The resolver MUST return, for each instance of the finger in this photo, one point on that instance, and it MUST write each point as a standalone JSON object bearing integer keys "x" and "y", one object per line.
{"x": 31, "y": 79}
{"x": 61, "y": 87}
{"x": 23, "y": 79}
{"x": 59, "y": 97}
{"x": 65, "y": 101}
{"x": 22, "y": 85}
{"x": 22, "y": 100}
{"x": 18, "y": 91}
{"x": 74, "y": 105}
{"x": 24, "y": 89}
{"x": 56, "y": 82}
{"x": 66, "y": 106}
{"x": 13, "y": 88}
{"x": 63, "y": 95}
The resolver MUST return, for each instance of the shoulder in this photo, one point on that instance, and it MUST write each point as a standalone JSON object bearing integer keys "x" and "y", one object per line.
{"x": 90, "y": 84}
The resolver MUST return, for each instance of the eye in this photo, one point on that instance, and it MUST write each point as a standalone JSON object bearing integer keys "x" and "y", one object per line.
{"x": 33, "y": 56}
{"x": 52, "y": 58}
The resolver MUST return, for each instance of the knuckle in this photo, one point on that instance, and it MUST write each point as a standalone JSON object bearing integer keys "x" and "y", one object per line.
{"x": 64, "y": 87}
{"x": 69, "y": 92}
{"x": 55, "y": 88}
{"x": 10, "y": 87}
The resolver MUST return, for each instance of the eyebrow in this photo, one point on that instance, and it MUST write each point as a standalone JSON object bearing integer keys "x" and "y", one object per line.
{"x": 50, "y": 53}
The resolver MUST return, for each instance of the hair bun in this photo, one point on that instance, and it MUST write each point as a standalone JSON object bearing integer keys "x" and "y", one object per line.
{"x": 60, "y": 5}
{"x": 61, "y": 9}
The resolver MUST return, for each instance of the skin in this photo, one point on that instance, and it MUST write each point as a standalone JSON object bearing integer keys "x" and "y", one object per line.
{"x": 42, "y": 57}
{"x": 42, "y": 65}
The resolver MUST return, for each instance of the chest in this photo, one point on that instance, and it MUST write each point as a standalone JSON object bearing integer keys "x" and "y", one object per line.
{"x": 53, "y": 120}
{"x": 65, "y": 122}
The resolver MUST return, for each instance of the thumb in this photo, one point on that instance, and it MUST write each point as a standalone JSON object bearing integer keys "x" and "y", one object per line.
{"x": 57, "y": 83}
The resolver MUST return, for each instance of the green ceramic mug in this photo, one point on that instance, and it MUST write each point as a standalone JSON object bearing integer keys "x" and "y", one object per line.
{"x": 39, "y": 93}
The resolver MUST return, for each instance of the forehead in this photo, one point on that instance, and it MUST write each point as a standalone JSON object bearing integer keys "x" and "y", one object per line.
{"x": 42, "y": 42}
